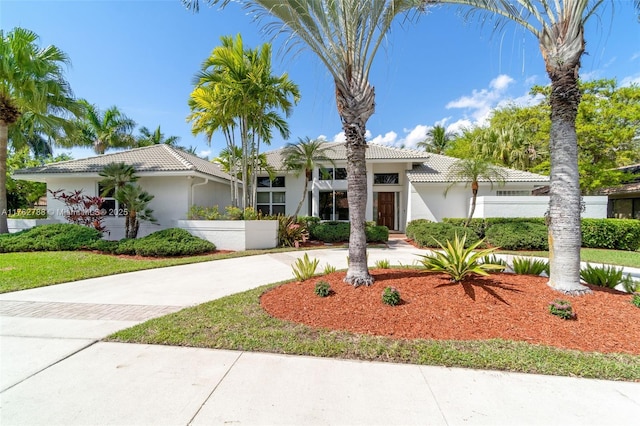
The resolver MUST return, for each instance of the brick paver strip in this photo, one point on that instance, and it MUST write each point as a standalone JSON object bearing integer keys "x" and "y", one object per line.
{"x": 84, "y": 311}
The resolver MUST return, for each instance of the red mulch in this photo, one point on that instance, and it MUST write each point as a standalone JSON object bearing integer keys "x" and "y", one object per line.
{"x": 504, "y": 306}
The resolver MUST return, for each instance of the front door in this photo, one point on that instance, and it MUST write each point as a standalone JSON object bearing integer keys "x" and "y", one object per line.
{"x": 386, "y": 209}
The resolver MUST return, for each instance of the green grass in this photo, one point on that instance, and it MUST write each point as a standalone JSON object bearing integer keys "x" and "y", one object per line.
{"x": 611, "y": 257}
{"x": 238, "y": 322}
{"x": 24, "y": 270}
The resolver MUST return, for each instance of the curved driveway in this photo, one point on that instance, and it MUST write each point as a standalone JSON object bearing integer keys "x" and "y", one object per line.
{"x": 55, "y": 370}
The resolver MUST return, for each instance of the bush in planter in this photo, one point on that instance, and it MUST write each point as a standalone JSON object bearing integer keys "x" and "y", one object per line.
{"x": 518, "y": 235}
{"x": 53, "y": 237}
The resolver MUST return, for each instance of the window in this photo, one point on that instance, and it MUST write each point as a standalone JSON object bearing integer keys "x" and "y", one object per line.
{"x": 265, "y": 182}
{"x": 625, "y": 208}
{"x": 386, "y": 178}
{"x": 338, "y": 173}
{"x": 271, "y": 203}
{"x": 109, "y": 205}
{"x": 334, "y": 205}
{"x": 506, "y": 193}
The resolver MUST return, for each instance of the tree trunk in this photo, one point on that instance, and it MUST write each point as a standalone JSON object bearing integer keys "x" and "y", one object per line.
{"x": 474, "y": 191}
{"x": 564, "y": 204}
{"x": 304, "y": 194}
{"x": 4, "y": 142}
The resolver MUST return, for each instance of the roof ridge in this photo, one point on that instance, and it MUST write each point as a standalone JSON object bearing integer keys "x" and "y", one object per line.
{"x": 178, "y": 155}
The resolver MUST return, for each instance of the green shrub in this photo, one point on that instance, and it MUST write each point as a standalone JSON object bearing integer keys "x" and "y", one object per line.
{"x": 204, "y": 213}
{"x": 126, "y": 246}
{"x": 168, "y": 242}
{"x": 309, "y": 222}
{"x": 518, "y": 236}
{"x": 414, "y": 226}
{"x": 105, "y": 246}
{"x": 476, "y": 225}
{"x": 602, "y": 276}
{"x": 335, "y": 232}
{"x": 616, "y": 234}
{"x": 322, "y": 289}
{"x": 635, "y": 300}
{"x": 328, "y": 269}
{"x": 382, "y": 264}
{"x": 494, "y": 260}
{"x": 457, "y": 261}
{"x": 304, "y": 268}
{"x": 562, "y": 309}
{"x": 54, "y": 237}
{"x": 290, "y": 231}
{"x": 427, "y": 234}
{"x": 391, "y": 296}
{"x": 529, "y": 266}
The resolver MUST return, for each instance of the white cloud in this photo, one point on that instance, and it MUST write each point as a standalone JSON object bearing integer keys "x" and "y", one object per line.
{"x": 501, "y": 82}
{"x": 459, "y": 126}
{"x": 389, "y": 138}
{"x": 322, "y": 138}
{"x": 629, "y": 80}
{"x": 340, "y": 137}
{"x": 204, "y": 153}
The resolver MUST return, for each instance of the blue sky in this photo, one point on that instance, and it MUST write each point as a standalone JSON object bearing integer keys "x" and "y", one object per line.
{"x": 142, "y": 55}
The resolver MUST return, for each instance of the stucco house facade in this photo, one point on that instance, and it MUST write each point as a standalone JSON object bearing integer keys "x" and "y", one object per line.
{"x": 176, "y": 179}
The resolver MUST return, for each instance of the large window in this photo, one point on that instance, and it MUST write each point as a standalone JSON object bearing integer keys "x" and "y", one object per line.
{"x": 385, "y": 179}
{"x": 334, "y": 205}
{"x": 271, "y": 203}
{"x": 508, "y": 193}
{"x": 625, "y": 208}
{"x": 265, "y": 182}
{"x": 338, "y": 173}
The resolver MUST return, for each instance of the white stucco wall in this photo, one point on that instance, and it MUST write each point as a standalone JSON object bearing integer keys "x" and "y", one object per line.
{"x": 534, "y": 206}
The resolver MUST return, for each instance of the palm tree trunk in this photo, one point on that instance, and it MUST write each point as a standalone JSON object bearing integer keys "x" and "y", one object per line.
{"x": 304, "y": 194}
{"x": 4, "y": 142}
{"x": 474, "y": 191}
{"x": 564, "y": 204}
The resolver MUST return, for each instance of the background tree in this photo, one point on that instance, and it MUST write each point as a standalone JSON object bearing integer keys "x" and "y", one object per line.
{"x": 437, "y": 140}
{"x": 345, "y": 36}
{"x": 559, "y": 29}
{"x": 471, "y": 171}
{"x": 303, "y": 157}
{"x": 101, "y": 130}
{"x": 148, "y": 138}
{"x": 33, "y": 91}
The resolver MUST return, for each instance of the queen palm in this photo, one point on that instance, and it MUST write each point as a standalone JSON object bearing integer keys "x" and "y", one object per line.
{"x": 472, "y": 171}
{"x": 303, "y": 157}
{"x": 101, "y": 130}
{"x": 345, "y": 36}
{"x": 437, "y": 140}
{"x": 559, "y": 28}
{"x": 35, "y": 98}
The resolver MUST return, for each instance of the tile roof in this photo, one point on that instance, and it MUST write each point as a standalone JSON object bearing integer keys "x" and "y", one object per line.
{"x": 338, "y": 151}
{"x": 436, "y": 168}
{"x": 154, "y": 158}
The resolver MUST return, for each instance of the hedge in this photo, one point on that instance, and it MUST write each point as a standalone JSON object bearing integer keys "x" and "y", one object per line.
{"x": 518, "y": 236}
{"x": 168, "y": 242}
{"x": 616, "y": 234}
{"x": 426, "y": 233}
{"x": 53, "y": 237}
{"x": 335, "y": 232}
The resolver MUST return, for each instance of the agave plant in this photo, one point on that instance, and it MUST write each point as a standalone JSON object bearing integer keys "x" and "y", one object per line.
{"x": 457, "y": 261}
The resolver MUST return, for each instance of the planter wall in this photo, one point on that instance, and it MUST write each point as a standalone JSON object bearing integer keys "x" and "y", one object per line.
{"x": 17, "y": 225}
{"x": 234, "y": 234}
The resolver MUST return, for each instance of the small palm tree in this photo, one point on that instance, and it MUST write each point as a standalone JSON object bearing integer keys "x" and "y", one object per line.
{"x": 303, "y": 157}
{"x": 147, "y": 138}
{"x": 115, "y": 176}
{"x": 437, "y": 140}
{"x": 471, "y": 171}
{"x": 136, "y": 201}
{"x": 34, "y": 96}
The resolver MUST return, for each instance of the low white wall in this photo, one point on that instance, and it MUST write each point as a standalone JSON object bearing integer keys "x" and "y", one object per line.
{"x": 234, "y": 234}
{"x": 17, "y": 225}
{"x": 532, "y": 206}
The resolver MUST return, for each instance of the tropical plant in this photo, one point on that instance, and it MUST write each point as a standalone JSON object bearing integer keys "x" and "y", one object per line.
{"x": 116, "y": 176}
{"x": 559, "y": 28}
{"x": 304, "y": 268}
{"x": 345, "y": 36}
{"x": 382, "y": 264}
{"x": 437, "y": 140}
{"x": 82, "y": 209}
{"x": 635, "y": 300}
{"x": 457, "y": 261}
{"x": 136, "y": 202}
{"x": 529, "y": 266}
{"x": 101, "y": 130}
{"x": 391, "y": 296}
{"x": 472, "y": 171}
{"x": 322, "y": 289}
{"x": 35, "y": 98}
{"x": 291, "y": 232}
{"x": 236, "y": 91}
{"x": 562, "y": 309}
{"x": 303, "y": 157}
{"x": 328, "y": 269}
{"x": 148, "y": 138}
{"x": 602, "y": 276}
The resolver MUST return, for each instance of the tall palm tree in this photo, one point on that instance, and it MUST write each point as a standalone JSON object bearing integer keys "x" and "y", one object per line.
{"x": 101, "y": 130}
{"x": 559, "y": 28}
{"x": 345, "y": 36}
{"x": 437, "y": 140}
{"x": 472, "y": 171}
{"x": 236, "y": 89}
{"x": 147, "y": 138}
{"x": 32, "y": 90}
{"x": 303, "y": 157}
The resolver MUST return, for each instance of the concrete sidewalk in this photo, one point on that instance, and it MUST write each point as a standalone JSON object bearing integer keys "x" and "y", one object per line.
{"x": 55, "y": 370}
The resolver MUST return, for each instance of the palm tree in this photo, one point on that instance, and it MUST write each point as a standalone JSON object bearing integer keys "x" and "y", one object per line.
{"x": 345, "y": 36}
{"x": 437, "y": 140}
{"x": 136, "y": 201}
{"x": 472, "y": 171}
{"x": 559, "y": 28}
{"x": 303, "y": 157}
{"x": 101, "y": 130}
{"x": 116, "y": 176}
{"x": 236, "y": 90}
{"x": 33, "y": 90}
{"x": 147, "y": 138}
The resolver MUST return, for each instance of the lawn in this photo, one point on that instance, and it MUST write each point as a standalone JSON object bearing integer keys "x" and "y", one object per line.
{"x": 610, "y": 257}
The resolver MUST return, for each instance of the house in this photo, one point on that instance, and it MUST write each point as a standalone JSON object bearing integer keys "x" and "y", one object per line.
{"x": 402, "y": 184}
{"x": 176, "y": 179}
{"x": 624, "y": 200}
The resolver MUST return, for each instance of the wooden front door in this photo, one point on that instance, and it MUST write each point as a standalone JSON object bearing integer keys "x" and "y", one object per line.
{"x": 386, "y": 209}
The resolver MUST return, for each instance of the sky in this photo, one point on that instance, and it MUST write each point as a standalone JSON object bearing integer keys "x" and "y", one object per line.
{"x": 142, "y": 55}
